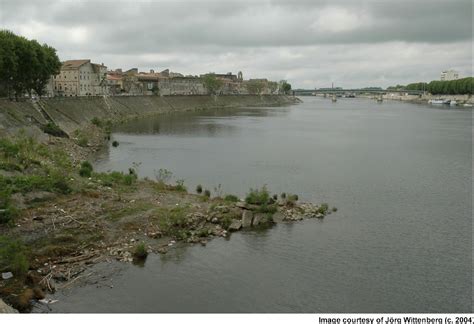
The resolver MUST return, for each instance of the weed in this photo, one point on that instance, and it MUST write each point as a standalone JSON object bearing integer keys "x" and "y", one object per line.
{"x": 86, "y": 169}
{"x": 140, "y": 251}
{"x": 231, "y": 198}
{"x": 13, "y": 256}
{"x": 258, "y": 196}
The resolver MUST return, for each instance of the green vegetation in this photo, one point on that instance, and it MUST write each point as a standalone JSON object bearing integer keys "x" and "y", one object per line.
{"x": 323, "y": 209}
{"x": 453, "y": 87}
{"x": 285, "y": 87}
{"x": 212, "y": 83}
{"x": 140, "y": 251}
{"x": 116, "y": 178}
{"x": 96, "y": 121}
{"x": 207, "y": 193}
{"x": 81, "y": 138}
{"x": 172, "y": 221}
{"x": 25, "y": 65}
{"x": 131, "y": 209}
{"x": 115, "y": 143}
{"x": 180, "y": 186}
{"x": 255, "y": 87}
{"x": 258, "y": 196}
{"x": 334, "y": 209}
{"x": 53, "y": 129}
{"x": 231, "y": 198}
{"x": 86, "y": 169}
{"x": 13, "y": 256}
{"x": 199, "y": 189}
{"x": 283, "y": 195}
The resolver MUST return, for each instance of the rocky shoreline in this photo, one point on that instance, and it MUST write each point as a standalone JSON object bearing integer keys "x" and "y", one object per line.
{"x": 61, "y": 228}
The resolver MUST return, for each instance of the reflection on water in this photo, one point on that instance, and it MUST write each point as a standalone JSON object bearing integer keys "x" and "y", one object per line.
{"x": 401, "y": 241}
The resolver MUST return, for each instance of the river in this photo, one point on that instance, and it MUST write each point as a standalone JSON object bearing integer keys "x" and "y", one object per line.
{"x": 400, "y": 175}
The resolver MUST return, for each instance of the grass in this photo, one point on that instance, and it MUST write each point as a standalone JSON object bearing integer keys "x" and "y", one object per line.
{"x": 140, "y": 251}
{"x": 231, "y": 198}
{"x": 116, "y": 178}
{"x": 13, "y": 256}
{"x": 86, "y": 169}
{"x": 133, "y": 208}
{"x": 172, "y": 221}
{"x": 258, "y": 196}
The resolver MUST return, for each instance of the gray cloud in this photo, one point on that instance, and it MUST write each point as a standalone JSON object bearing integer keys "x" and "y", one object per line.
{"x": 311, "y": 43}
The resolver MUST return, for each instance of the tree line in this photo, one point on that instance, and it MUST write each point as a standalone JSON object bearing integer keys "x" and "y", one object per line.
{"x": 452, "y": 87}
{"x": 25, "y": 65}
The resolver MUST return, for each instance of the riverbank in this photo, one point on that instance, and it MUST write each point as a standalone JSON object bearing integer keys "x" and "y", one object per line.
{"x": 59, "y": 217}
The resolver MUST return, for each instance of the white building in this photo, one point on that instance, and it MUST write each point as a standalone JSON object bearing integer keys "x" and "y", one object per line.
{"x": 449, "y": 75}
{"x": 80, "y": 78}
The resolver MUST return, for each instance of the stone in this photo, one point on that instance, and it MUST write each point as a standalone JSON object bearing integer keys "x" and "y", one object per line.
{"x": 278, "y": 217}
{"x": 247, "y": 217}
{"x": 241, "y": 204}
{"x": 222, "y": 209}
{"x": 7, "y": 275}
{"x": 235, "y": 225}
{"x": 5, "y": 309}
{"x": 214, "y": 220}
{"x": 260, "y": 219}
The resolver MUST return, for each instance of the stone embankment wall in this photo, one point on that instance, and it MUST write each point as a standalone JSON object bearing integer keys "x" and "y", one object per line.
{"x": 74, "y": 113}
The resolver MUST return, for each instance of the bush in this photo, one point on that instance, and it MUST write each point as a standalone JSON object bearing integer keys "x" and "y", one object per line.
{"x": 96, "y": 121}
{"x": 13, "y": 256}
{"x": 323, "y": 208}
{"x": 180, "y": 186}
{"x": 231, "y": 198}
{"x": 86, "y": 169}
{"x": 334, "y": 209}
{"x": 207, "y": 193}
{"x": 199, "y": 189}
{"x": 115, "y": 143}
{"x": 140, "y": 251}
{"x": 82, "y": 141}
{"x": 54, "y": 130}
{"x": 258, "y": 196}
{"x": 267, "y": 209}
{"x": 275, "y": 197}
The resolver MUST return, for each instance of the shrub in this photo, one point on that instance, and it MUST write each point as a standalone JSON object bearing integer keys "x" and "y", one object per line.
{"x": 275, "y": 197}
{"x": 323, "y": 208}
{"x": 267, "y": 209}
{"x": 334, "y": 209}
{"x": 258, "y": 196}
{"x": 207, "y": 193}
{"x": 140, "y": 251}
{"x": 86, "y": 169}
{"x": 82, "y": 141}
{"x": 231, "y": 198}
{"x": 96, "y": 121}
{"x": 180, "y": 186}
{"x": 199, "y": 189}
{"x": 283, "y": 195}
{"x": 115, "y": 143}
{"x": 13, "y": 256}
{"x": 54, "y": 130}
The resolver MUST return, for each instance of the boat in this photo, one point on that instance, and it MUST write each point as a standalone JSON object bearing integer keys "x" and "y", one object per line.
{"x": 446, "y": 101}
{"x": 467, "y": 105}
{"x": 453, "y": 103}
{"x": 334, "y": 98}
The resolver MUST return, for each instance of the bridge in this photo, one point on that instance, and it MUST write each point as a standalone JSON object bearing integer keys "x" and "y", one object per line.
{"x": 336, "y": 91}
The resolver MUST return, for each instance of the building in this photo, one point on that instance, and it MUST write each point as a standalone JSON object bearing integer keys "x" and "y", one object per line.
{"x": 449, "y": 75}
{"x": 80, "y": 78}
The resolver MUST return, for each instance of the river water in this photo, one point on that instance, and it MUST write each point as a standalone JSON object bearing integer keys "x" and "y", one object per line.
{"x": 401, "y": 241}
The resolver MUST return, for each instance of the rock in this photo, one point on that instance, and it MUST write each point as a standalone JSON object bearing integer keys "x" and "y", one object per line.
{"x": 203, "y": 242}
{"x": 260, "y": 219}
{"x": 241, "y": 204}
{"x": 214, "y": 220}
{"x": 222, "y": 209}
{"x": 162, "y": 250}
{"x": 235, "y": 225}
{"x": 278, "y": 217}
{"x": 7, "y": 275}
{"x": 5, "y": 309}
{"x": 247, "y": 217}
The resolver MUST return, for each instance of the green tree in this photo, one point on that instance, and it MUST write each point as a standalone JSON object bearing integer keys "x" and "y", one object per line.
{"x": 212, "y": 83}
{"x": 255, "y": 87}
{"x": 285, "y": 87}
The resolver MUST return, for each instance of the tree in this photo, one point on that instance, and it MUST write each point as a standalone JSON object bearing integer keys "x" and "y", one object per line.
{"x": 25, "y": 65}
{"x": 285, "y": 87}
{"x": 211, "y": 83}
{"x": 255, "y": 87}
{"x": 272, "y": 86}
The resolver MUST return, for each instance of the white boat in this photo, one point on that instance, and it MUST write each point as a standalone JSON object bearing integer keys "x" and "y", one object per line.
{"x": 467, "y": 105}
{"x": 453, "y": 103}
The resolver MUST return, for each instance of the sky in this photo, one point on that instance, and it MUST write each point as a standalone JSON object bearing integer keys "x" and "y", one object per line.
{"x": 310, "y": 43}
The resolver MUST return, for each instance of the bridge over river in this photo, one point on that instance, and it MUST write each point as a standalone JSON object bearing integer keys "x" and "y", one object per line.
{"x": 340, "y": 91}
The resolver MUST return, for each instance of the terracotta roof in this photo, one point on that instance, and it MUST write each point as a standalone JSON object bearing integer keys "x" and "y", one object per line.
{"x": 114, "y": 77}
{"x": 74, "y": 64}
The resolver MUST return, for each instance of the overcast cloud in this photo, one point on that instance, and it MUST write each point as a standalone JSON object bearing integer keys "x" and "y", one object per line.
{"x": 308, "y": 42}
